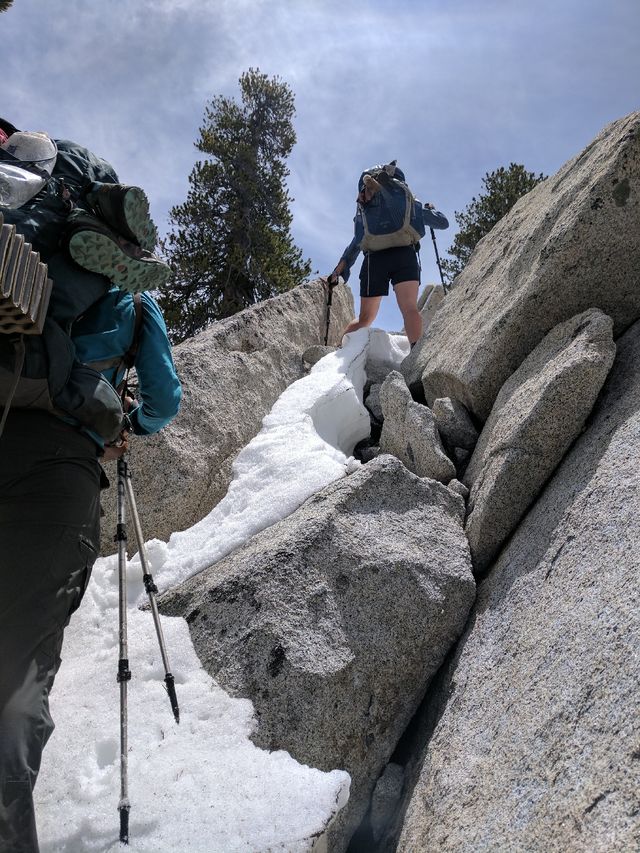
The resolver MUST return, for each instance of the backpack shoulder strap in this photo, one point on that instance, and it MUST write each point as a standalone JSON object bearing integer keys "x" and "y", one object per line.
{"x": 127, "y": 359}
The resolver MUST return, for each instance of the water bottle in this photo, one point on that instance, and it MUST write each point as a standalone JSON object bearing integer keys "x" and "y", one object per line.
{"x": 18, "y": 186}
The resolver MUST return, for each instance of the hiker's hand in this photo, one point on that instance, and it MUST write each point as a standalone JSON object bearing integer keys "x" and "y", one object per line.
{"x": 332, "y": 279}
{"x": 121, "y": 445}
{"x": 117, "y": 449}
{"x": 114, "y": 451}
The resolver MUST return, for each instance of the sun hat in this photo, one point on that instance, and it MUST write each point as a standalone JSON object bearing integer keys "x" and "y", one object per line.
{"x": 30, "y": 149}
{"x": 26, "y": 164}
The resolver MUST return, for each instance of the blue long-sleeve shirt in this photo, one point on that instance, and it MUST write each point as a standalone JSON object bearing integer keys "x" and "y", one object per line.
{"x": 431, "y": 218}
{"x": 106, "y": 331}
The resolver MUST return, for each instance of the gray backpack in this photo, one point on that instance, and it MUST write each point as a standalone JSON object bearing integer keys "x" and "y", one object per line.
{"x": 392, "y": 216}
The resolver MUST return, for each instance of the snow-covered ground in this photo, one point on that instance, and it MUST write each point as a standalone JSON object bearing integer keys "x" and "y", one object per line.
{"x": 202, "y": 786}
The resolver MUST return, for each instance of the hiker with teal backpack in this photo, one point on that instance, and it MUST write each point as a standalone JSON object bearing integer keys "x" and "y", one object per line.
{"x": 389, "y": 224}
{"x": 63, "y": 415}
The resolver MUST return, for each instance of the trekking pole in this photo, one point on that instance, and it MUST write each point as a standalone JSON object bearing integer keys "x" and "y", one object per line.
{"x": 435, "y": 246}
{"x": 125, "y": 490}
{"x": 329, "y": 298}
{"x": 150, "y": 587}
{"x": 124, "y": 673}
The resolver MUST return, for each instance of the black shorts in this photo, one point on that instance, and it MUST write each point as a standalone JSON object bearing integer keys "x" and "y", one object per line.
{"x": 388, "y": 265}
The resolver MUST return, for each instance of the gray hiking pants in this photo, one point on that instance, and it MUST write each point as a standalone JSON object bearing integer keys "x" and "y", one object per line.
{"x": 49, "y": 538}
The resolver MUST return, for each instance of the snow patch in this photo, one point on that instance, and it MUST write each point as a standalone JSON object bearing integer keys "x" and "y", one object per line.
{"x": 201, "y": 786}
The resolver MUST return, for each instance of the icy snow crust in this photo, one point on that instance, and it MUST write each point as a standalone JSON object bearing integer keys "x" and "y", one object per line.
{"x": 304, "y": 444}
{"x": 202, "y": 786}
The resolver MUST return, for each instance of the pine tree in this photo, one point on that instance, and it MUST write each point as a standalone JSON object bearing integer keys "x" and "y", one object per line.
{"x": 503, "y": 189}
{"x": 5, "y": 4}
{"x": 230, "y": 244}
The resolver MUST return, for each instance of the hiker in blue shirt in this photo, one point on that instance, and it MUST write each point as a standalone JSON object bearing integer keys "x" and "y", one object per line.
{"x": 50, "y": 472}
{"x": 106, "y": 331}
{"x": 388, "y": 225}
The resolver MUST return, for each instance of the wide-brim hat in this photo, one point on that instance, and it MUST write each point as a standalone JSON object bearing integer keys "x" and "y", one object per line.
{"x": 30, "y": 149}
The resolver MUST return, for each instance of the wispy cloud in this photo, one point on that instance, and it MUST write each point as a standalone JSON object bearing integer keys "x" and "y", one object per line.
{"x": 451, "y": 90}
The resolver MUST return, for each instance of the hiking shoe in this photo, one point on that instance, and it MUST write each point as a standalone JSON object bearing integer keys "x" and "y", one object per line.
{"x": 98, "y": 249}
{"x": 126, "y": 210}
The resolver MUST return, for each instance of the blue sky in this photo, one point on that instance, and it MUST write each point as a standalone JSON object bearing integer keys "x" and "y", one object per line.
{"x": 452, "y": 90}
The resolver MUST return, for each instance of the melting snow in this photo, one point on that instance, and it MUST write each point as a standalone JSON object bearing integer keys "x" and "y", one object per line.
{"x": 202, "y": 786}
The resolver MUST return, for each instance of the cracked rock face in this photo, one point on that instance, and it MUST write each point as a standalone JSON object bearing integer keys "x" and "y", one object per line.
{"x": 409, "y": 432}
{"x": 428, "y": 303}
{"x": 538, "y": 413}
{"x": 454, "y": 424}
{"x": 232, "y": 373}
{"x": 538, "y": 744}
{"x": 570, "y": 244}
{"x": 333, "y": 620}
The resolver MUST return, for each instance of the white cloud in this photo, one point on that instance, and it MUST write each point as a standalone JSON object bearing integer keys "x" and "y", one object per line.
{"x": 452, "y": 90}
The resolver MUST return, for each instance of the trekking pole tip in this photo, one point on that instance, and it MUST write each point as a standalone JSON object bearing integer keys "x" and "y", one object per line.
{"x": 124, "y": 808}
{"x": 169, "y": 681}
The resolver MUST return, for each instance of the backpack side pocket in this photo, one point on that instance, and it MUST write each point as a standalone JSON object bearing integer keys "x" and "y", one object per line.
{"x": 92, "y": 401}
{"x": 32, "y": 388}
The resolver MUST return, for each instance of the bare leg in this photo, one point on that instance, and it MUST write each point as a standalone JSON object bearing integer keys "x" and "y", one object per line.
{"x": 407, "y": 298}
{"x": 369, "y": 306}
